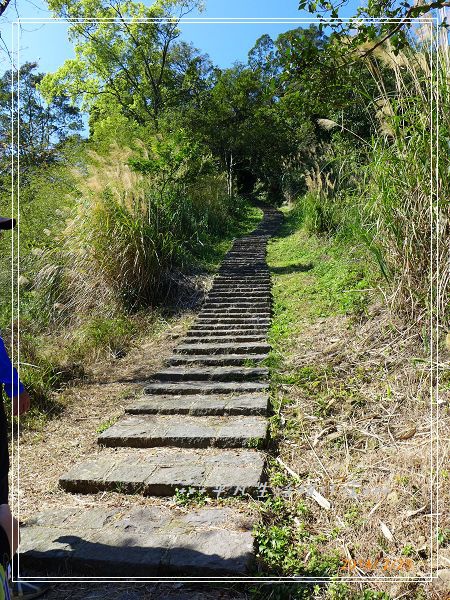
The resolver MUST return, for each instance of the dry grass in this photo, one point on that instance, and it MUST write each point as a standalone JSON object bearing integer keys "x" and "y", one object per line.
{"x": 139, "y": 591}
{"x": 359, "y": 430}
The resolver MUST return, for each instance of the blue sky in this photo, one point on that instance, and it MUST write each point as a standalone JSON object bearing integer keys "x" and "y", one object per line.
{"x": 225, "y": 43}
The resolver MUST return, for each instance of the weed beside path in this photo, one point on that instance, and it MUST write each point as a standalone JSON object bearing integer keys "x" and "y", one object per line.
{"x": 351, "y": 425}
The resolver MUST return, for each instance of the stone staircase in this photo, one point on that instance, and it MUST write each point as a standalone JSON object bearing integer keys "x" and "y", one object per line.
{"x": 200, "y": 424}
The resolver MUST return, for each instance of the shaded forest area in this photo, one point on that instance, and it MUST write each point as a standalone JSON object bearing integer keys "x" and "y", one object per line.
{"x": 336, "y": 126}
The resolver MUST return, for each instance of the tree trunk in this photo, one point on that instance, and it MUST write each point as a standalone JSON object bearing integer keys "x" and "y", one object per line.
{"x": 230, "y": 165}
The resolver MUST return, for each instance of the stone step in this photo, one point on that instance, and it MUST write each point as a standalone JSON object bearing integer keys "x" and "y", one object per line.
{"x": 254, "y": 295}
{"x": 159, "y": 472}
{"x": 247, "y": 321}
{"x": 202, "y": 387}
{"x": 137, "y": 541}
{"x": 185, "y": 431}
{"x": 211, "y": 329}
{"x": 227, "y": 338}
{"x": 239, "y": 302}
{"x": 242, "y": 271}
{"x": 236, "y": 332}
{"x": 217, "y": 313}
{"x": 232, "y": 310}
{"x": 232, "y": 320}
{"x": 242, "y": 256}
{"x": 260, "y": 279}
{"x": 250, "y": 288}
{"x": 240, "y": 305}
{"x": 226, "y": 287}
{"x": 219, "y": 360}
{"x": 235, "y": 298}
{"x": 238, "y": 299}
{"x": 248, "y": 257}
{"x": 257, "y": 254}
{"x": 243, "y": 284}
{"x": 243, "y": 264}
{"x": 226, "y": 327}
{"x": 236, "y": 273}
{"x": 234, "y": 285}
{"x": 252, "y": 265}
{"x": 231, "y": 373}
{"x": 266, "y": 284}
{"x": 222, "y": 348}
{"x": 240, "y": 288}
{"x": 240, "y": 250}
{"x": 263, "y": 279}
{"x": 201, "y": 404}
{"x": 229, "y": 327}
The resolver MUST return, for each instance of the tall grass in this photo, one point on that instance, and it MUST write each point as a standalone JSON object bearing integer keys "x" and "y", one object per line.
{"x": 394, "y": 196}
{"x": 130, "y": 230}
{"x": 406, "y": 188}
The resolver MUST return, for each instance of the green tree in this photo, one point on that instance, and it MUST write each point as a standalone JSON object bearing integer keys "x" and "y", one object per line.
{"x": 374, "y": 23}
{"x": 43, "y": 127}
{"x": 129, "y": 67}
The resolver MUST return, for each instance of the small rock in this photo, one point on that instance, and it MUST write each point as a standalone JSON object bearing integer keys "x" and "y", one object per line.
{"x": 443, "y": 580}
{"x": 393, "y": 498}
{"x": 23, "y": 281}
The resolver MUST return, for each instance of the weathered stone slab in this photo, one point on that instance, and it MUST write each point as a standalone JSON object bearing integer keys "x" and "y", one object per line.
{"x": 185, "y": 431}
{"x": 201, "y": 405}
{"x": 211, "y": 374}
{"x": 236, "y": 279}
{"x": 222, "y": 348}
{"x": 230, "y": 337}
{"x": 232, "y": 320}
{"x": 254, "y": 295}
{"x": 228, "y": 311}
{"x": 242, "y": 302}
{"x": 227, "y": 331}
{"x": 225, "y": 303}
{"x": 228, "y": 327}
{"x": 139, "y": 542}
{"x": 201, "y": 387}
{"x": 218, "y": 359}
{"x": 246, "y": 308}
{"x": 219, "y": 287}
{"x": 161, "y": 471}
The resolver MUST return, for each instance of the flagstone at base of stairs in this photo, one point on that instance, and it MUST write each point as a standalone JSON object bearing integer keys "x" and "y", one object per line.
{"x": 201, "y": 405}
{"x": 145, "y": 542}
{"x": 161, "y": 471}
{"x": 185, "y": 431}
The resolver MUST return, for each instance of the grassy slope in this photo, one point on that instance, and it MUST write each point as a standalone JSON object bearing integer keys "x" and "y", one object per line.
{"x": 333, "y": 368}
